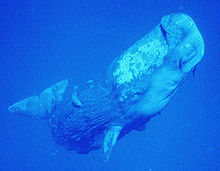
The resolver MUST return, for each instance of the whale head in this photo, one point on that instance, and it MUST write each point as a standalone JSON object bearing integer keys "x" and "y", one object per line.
{"x": 149, "y": 73}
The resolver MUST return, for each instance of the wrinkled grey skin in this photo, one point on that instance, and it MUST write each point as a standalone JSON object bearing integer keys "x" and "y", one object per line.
{"x": 135, "y": 87}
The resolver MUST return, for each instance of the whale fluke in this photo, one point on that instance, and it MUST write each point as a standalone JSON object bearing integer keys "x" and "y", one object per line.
{"x": 110, "y": 140}
{"x": 40, "y": 106}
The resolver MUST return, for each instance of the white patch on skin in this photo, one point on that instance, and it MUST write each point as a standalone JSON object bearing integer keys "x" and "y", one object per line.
{"x": 142, "y": 61}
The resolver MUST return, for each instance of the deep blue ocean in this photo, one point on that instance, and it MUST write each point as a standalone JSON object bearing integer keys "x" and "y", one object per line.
{"x": 43, "y": 42}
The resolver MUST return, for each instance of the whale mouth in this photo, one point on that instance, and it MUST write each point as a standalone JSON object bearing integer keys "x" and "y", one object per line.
{"x": 170, "y": 94}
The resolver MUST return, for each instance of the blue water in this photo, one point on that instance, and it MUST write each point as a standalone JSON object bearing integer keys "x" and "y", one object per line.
{"x": 42, "y": 43}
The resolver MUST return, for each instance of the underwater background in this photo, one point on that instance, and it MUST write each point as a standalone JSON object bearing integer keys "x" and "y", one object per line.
{"x": 43, "y": 42}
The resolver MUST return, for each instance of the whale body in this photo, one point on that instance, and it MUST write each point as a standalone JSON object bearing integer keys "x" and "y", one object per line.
{"x": 134, "y": 88}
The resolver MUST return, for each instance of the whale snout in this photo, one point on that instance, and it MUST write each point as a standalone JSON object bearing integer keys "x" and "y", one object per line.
{"x": 184, "y": 38}
{"x": 175, "y": 23}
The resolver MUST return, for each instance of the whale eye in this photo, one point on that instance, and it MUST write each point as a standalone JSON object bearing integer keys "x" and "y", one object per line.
{"x": 136, "y": 96}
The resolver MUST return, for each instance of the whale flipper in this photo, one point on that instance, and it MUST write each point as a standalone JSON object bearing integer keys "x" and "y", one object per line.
{"x": 110, "y": 140}
{"x": 40, "y": 106}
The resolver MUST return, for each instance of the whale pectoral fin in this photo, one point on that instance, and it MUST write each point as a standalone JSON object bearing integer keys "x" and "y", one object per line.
{"x": 75, "y": 100}
{"x": 110, "y": 140}
{"x": 41, "y": 106}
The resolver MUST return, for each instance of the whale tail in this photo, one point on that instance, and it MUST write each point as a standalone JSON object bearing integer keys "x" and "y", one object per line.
{"x": 40, "y": 106}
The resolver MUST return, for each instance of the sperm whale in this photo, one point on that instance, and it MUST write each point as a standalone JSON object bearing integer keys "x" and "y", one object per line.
{"x": 132, "y": 90}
